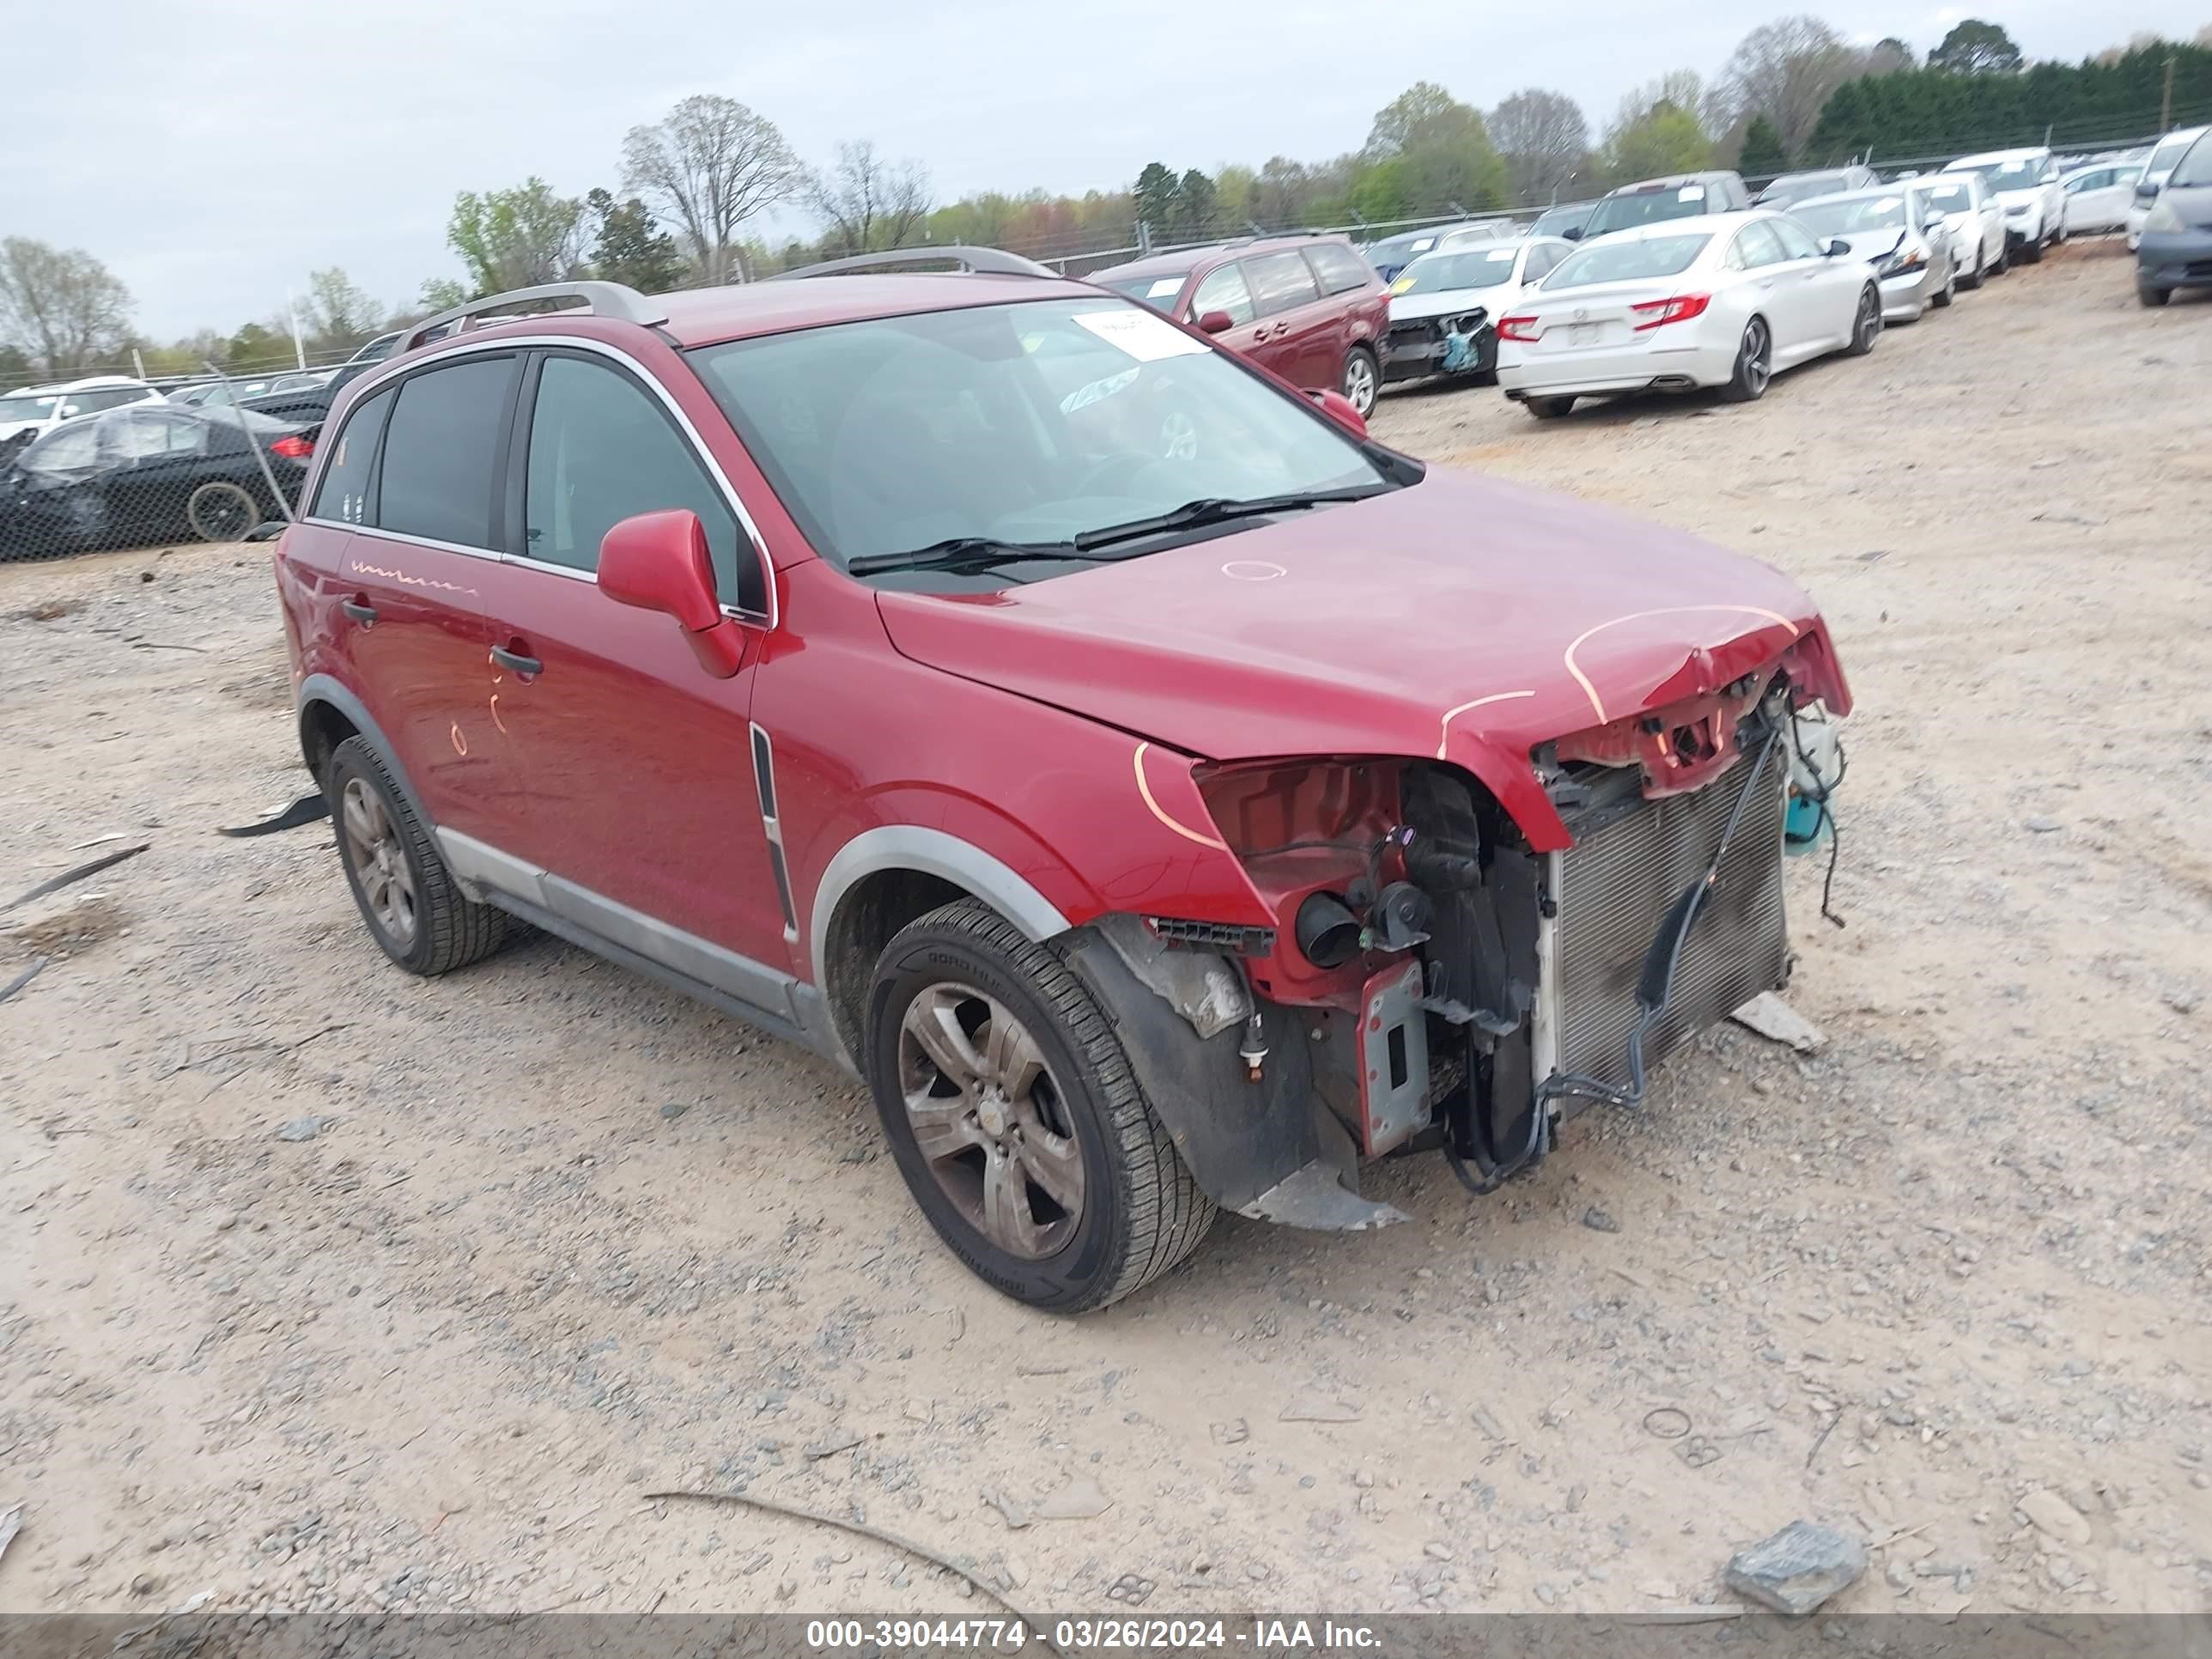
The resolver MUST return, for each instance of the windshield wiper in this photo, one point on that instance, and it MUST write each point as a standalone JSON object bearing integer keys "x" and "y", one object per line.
{"x": 961, "y": 553}
{"x": 1215, "y": 509}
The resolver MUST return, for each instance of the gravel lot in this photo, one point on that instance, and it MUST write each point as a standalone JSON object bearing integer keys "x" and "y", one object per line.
{"x": 561, "y": 1238}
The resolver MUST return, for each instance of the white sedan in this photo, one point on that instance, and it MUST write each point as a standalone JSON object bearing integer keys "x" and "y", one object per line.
{"x": 2098, "y": 197}
{"x": 1722, "y": 300}
{"x": 1976, "y": 219}
{"x": 1444, "y": 305}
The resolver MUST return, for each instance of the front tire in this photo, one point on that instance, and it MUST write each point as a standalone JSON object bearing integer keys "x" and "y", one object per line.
{"x": 2003, "y": 266}
{"x": 1754, "y": 364}
{"x": 2031, "y": 251}
{"x": 1972, "y": 280}
{"x": 2152, "y": 296}
{"x": 1012, "y": 1113}
{"x": 415, "y": 909}
{"x": 1941, "y": 299}
{"x": 1362, "y": 380}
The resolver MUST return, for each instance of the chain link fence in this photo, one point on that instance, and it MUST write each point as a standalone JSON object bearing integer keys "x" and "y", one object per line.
{"x": 112, "y": 461}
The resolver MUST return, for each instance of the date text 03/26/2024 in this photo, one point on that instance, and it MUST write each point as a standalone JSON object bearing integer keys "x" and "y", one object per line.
{"x": 1092, "y": 1635}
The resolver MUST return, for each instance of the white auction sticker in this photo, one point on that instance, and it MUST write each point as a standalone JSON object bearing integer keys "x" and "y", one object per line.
{"x": 1144, "y": 337}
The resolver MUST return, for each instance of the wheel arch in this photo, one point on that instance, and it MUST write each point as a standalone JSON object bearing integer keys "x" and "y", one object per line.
{"x": 887, "y": 877}
{"x": 328, "y": 715}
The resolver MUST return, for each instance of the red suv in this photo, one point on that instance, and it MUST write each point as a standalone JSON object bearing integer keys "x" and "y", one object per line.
{"x": 1308, "y": 307}
{"x": 1161, "y": 795}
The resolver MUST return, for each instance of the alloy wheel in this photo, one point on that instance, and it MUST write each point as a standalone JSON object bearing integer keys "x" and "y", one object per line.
{"x": 989, "y": 1121}
{"x": 379, "y": 862}
{"x": 1758, "y": 354}
{"x": 1360, "y": 383}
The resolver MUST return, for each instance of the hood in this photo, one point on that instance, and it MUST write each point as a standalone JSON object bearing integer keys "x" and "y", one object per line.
{"x": 1463, "y": 617}
{"x": 1448, "y": 302}
{"x": 1872, "y": 245}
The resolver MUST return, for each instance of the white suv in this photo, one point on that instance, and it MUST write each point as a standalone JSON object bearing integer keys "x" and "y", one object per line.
{"x": 37, "y": 410}
{"x": 2163, "y": 161}
{"x": 2027, "y": 182}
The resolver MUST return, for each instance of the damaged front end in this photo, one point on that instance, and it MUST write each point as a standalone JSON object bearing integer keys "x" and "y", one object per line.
{"x": 1434, "y": 981}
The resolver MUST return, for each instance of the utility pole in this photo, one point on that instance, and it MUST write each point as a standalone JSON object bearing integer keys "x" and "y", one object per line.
{"x": 299, "y": 347}
{"x": 2166, "y": 100}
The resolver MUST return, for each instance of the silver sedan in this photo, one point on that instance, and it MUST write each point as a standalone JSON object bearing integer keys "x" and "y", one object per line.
{"x": 1903, "y": 232}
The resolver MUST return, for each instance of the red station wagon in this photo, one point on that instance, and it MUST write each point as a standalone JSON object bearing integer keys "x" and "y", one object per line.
{"x": 1309, "y": 308}
{"x": 1163, "y": 795}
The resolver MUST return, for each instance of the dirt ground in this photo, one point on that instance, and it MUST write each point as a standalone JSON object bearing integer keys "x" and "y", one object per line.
{"x": 561, "y": 1238}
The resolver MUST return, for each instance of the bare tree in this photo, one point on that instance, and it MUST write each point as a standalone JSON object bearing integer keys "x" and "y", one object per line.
{"x": 61, "y": 305}
{"x": 868, "y": 202}
{"x": 1543, "y": 137}
{"x": 1784, "y": 70}
{"x": 707, "y": 168}
{"x": 339, "y": 315}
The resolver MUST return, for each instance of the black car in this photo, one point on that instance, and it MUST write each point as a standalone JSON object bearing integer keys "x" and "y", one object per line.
{"x": 150, "y": 472}
{"x": 2176, "y": 249}
{"x": 306, "y": 406}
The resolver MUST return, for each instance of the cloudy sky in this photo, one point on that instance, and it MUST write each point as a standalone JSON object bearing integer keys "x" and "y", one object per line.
{"x": 213, "y": 151}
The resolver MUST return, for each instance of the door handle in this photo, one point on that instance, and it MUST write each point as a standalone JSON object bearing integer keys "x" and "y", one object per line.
{"x": 361, "y": 611}
{"x": 516, "y": 661}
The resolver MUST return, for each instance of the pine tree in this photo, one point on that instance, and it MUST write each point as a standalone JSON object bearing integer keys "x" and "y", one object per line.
{"x": 1763, "y": 156}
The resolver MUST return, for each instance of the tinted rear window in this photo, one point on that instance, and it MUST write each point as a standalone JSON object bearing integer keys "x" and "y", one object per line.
{"x": 440, "y": 451}
{"x": 1625, "y": 262}
{"x": 343, "y": 492}
{"x": 1339, "y": 269}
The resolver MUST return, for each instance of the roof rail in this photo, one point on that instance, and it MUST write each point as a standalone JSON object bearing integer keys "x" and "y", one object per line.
{"x": 978, "y": 261}
{"x": 600, "y": 300}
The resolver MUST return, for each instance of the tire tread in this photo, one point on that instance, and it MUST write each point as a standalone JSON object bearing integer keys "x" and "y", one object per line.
{"x": 458, "y": 930}
{"x": 1168, "y": 1216}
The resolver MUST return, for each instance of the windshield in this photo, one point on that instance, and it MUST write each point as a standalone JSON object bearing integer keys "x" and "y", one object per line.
{"x": 1852, "y": 216}
{"x": 2169, "y": 152}
{"x": 25, "y": 409}
{"x": 1160, "y": 290}
{"x": 1645, "y": 207}
{"x": 1553, "y": 220}
{"x": 1029, "y": 422}
{"x": 1435, "y": 273}
{"x": 2195, "y": 168}
{"x": 1396, "y": 250}
{"x": 1624, "y": 262}
{"x": 2009, "y": 175}
{"x": 1782, "y": 191}
{"x": 1950, "y": 199}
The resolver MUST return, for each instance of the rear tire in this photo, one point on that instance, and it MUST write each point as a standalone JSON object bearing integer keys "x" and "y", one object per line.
{"x": 1548, "y": 409}
{"x": 221, "y": 512}
{"x": 414, "y": 908}
{"x": 1362, "y": 380}
{"x": 1972, "y": 280}
{"x": 1754, "y": 364}
{"x": 2152, "y": 296}
{"x": 1119, "y": 1206}
{"x": 1866, "y": 328}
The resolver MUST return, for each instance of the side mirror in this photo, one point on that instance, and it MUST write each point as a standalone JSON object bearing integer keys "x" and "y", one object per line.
{"x": 1838, "y": 248}
{"x": 658, "y": 561}
{"x": 1572, "y": 233}
{"x": 1216, "y": 322}
{"x": 1338, "y": 408}
{"x": 2146, "y": 193}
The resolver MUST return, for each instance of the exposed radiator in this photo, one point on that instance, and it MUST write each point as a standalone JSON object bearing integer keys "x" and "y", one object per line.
{"x": 1615, "y": 885}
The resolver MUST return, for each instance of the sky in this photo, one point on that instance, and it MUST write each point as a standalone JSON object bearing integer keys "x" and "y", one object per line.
{"x": 213, "y": 152}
